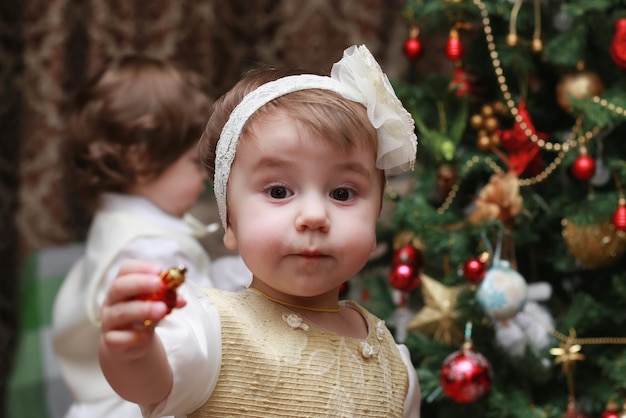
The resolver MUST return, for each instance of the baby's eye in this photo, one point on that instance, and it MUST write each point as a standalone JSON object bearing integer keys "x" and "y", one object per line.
{"x": 342, "y": 194}
{"x": 279, "y": 192}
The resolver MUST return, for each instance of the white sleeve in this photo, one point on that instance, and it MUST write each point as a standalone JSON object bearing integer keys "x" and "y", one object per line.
{"x": 192, "y": 340}
{"x": 414, "y": 395}
{"x": 230, "y": 272}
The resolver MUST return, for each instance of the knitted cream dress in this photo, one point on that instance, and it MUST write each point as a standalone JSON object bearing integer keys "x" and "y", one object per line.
{"x": 277, "y": 364}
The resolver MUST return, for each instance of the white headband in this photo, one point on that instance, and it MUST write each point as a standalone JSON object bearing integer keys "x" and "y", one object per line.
{"x": 357, "y": 77}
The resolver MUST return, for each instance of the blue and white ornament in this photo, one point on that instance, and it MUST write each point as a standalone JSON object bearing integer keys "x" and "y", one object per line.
{"x": 503, "y": 291}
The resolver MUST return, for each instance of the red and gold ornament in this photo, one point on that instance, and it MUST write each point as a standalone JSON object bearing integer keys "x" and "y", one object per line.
{"x": 466, "y": 375}
{"x": 413, "y": 46}
{"x": 171, "y": 279}
{"x": 584, "y": 166}
{"x": 611, "y": 410}
{"x": 573, "y": 412}
{"x": 474, "y": 269}
{"x": 460, "y": 82}
{"x": 618, "y": 44}
{"x": 619, "y": 216}
{"x": 406, "y": 264}
{"x": 454, "y": 47}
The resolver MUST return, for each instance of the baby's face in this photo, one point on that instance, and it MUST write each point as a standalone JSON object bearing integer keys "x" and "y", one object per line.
{"x": 302, "y": 211}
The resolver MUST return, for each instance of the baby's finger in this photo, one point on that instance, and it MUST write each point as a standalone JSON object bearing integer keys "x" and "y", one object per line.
{"x": 127, "y": 344}
{"x": 122, "y": 340}
{"x": 131, "y": 285}
{"x": 139, "y": 266}
{"x": 132, "y": 315}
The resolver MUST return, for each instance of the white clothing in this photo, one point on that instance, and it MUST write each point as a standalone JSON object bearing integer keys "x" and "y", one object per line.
{"x": 125, "y": 227}
{"x": 229, "y": 272}
{"x": 192, "y": 339}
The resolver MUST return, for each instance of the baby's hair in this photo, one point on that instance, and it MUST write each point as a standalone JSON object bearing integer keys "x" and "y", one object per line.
{"x": 133, "y": 120}
{"x": 323, "y": 112}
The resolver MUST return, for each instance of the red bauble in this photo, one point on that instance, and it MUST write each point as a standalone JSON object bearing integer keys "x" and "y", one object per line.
{"x": 405, "y": 267}
{"x": 344, "y": 289}
{"x": 572, "y": 412}
{"x": 584, "y": 167}
{"x": 460, "y": 82}
{"x": 412, "y": 48}
{"x": 611, "y": 410}
{"x": 618, "y": 44}
{"x": 454, "y": 47}
{"x": 466, "y": 375}
{"x": 474, "y": 270}
{"x": 619, "y": 216}
{"x": 170, "y": 280}
{"x": 404, "y": 277}
{"x": 407, "y": 254}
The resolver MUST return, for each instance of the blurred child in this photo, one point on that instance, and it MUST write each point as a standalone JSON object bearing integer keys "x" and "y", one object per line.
{"x": 133, "y": 160}
{"x": 299, "y": 165}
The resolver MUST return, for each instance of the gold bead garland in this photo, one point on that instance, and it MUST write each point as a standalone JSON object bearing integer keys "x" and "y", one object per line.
{"x": 561, "y": 149}
{"x": 455, "y": 187}
{"x": 508, "y": 98}
{"x": 611, "y": 106}
{"x": 588, "y": 341}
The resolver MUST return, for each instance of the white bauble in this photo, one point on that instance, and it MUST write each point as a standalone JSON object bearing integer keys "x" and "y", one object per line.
{"x": 503, "y": 292}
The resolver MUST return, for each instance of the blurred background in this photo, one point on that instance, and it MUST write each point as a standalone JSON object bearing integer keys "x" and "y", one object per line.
{"x": 501, "y": 256}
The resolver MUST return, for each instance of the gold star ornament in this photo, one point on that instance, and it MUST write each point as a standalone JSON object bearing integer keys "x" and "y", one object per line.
{"x": 438, "y": 318}
{"x": 568, "y": 352}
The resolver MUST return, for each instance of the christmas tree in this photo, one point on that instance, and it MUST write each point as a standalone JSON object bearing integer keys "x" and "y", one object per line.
{"x": 501, "y": 262}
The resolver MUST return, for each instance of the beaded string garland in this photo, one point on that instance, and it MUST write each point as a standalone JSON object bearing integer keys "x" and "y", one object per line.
{"x": 575, "y": 139}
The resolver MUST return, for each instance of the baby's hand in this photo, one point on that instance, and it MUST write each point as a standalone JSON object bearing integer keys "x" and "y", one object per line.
{"x": 128, "y": 322}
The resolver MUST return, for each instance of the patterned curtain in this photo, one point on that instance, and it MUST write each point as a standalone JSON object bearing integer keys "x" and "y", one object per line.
{"x": 49, "y": 47}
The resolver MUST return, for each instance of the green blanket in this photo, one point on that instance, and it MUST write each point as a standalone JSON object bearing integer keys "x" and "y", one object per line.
{"x": 36, "y": 389}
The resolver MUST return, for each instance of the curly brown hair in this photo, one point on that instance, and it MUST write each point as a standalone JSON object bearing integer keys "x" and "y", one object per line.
{"x": 134, "y": 119}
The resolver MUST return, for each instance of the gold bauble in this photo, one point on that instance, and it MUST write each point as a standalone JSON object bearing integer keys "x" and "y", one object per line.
{"x": 500, "y": 108}
{"x": 491, "y": 124}
{"x": 486, "y": 110}
{"x": 476, "y": 121}
{"x": 483, "y": 143}
{"x": 512, "y": 39}
{"x": 580, "y": 85}
{"x": 594, "y": 245}
{"x": 494, "y": 140}
{"x": 536, "y": 45}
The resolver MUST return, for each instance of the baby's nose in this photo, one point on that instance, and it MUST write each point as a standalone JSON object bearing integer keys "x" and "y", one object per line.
{"x": 313, "y": 215}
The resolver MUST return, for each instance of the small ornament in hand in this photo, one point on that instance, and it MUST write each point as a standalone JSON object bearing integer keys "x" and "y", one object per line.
{"x": 171, "y": 279}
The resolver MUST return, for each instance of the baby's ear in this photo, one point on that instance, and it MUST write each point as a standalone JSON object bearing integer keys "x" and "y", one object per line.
{"x": 230, "y": 241}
